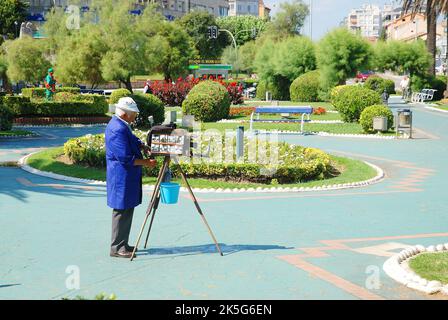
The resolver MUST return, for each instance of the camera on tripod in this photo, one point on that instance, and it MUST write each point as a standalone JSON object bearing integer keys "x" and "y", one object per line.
{"x": 166, "y": 140}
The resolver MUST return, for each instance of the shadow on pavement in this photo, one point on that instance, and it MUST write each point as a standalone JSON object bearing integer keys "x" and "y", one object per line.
{"x": 11, "y": 186}
{"x": 209, "y": 248}
{"x": 9, "y": 285}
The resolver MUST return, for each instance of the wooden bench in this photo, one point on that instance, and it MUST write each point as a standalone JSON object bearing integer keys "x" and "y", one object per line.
{"x": 287, "y": 110}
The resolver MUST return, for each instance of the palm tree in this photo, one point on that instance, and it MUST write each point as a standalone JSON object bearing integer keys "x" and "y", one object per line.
{"x": 431, "y": 9}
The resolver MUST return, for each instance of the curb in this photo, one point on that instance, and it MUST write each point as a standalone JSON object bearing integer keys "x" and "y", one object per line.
{"x": 380, "y": 175}
{"x": 268, "y": 121}
{"x": 326, "y": 134}
{"x": 59, "y": 125}
{"x": 31, "y": 135}
{"x": 436, "y": 109}
{"x": 394, "y": 269}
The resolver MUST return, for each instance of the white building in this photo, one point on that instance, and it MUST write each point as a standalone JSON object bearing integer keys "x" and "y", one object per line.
{"x": 244, "y": 7}
{"x": 366, "y": 20}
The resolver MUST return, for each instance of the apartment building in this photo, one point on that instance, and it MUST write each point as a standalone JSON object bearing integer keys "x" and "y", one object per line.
{"x": 366, "y": 20}
{"x": 171, "y": 9}
{"x": 248, "y": 7}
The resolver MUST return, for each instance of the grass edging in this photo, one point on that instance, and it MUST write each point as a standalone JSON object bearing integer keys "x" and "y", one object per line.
{"x": 357, "y": 173}
{"x": 16, "y": 134}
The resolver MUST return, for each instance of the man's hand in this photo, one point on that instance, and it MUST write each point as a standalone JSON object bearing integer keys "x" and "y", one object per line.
{"x": 146, "y": 150}
{"x": 150, "y": 163}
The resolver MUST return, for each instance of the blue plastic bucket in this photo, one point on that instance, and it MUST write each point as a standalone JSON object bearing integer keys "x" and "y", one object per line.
{"x": 169, "y": 192}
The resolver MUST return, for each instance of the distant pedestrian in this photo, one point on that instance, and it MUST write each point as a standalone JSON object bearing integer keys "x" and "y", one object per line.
{"x": 147, "y": 88}
{"x": 385, "y": 97}
{"x": 404, "y": 85}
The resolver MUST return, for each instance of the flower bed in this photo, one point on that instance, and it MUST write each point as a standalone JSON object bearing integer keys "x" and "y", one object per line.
{"x": 294, "y": 163}
{"x": 174, "y": 94}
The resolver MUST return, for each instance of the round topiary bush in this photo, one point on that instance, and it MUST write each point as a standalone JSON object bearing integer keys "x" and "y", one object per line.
{"x": 118, "y": 94}
{"x": 6, "y": 117}
{"x": 306, "y": 87}
{"x": 379, "y": 84}
{"x": 208, "y": 101}
{"x": 149, "y": 105}
{"x": 351, "y": 101}
{"x": 366, "y": 119}
{"x": 335, "y": 91}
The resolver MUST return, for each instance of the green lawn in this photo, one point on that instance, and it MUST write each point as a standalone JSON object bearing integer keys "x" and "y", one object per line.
{"x": 441, "y": 106}
{"x": 338, "y": 128}
{"x": 14, "y": 133}
{"x": 351, "y": 171}
{"x": 431, "y": 266}
{"x": 325, "y": 105}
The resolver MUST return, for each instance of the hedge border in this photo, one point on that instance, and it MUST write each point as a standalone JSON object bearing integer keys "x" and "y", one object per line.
{"x": 378, "y": 178}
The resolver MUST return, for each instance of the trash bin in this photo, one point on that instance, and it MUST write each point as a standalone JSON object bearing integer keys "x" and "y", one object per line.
{"x": 169, "y": 192}
{"x": 404, "y": 117}
{"x": 380, "y": 124}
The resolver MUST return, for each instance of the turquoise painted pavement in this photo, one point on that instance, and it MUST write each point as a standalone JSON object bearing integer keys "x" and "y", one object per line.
{"x": 322, "y": 245}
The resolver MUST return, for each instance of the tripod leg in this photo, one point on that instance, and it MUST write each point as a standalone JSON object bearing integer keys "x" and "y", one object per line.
{"x": 184, "y": 178}
{"x": 151, "y": 206}
{"x": 165, "y": 166}
{"x": 152, "y": 218}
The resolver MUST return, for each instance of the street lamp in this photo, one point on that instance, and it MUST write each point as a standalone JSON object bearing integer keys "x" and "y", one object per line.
{"x": 16, "y": 24}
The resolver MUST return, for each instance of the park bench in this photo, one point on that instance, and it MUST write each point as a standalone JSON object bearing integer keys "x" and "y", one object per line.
{"x": 424, "y": 95}
{"x": 285, "y": 110}
{"x": 92, "y": 91}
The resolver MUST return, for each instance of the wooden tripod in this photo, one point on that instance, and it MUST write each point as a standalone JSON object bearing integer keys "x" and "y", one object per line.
{"x": 155, "y": 199}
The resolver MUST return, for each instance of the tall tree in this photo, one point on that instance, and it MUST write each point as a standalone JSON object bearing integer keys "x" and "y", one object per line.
{"x": 196, "y": 25}
{"x": 340, "y": 55}
{"x": 431, "y": 10}
{"x": 26, "y": 60}
{"x": 244, "y": 28}
{"x": 12, "y": 12}
{"x": 290, "y": 18}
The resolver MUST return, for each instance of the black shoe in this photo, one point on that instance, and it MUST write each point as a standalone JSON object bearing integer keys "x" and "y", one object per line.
{"x": 124, "y": 254}
{"x": 131, "y": 249}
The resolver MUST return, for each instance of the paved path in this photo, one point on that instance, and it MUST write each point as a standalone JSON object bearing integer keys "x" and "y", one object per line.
{"x": 326, "y": 245}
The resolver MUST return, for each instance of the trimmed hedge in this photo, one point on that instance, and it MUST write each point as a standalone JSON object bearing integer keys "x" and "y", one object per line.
{"x": 118, "y": 94}
{"x": 149, "y": 105}
{"x": 306, "y": 87}
{"x": 296, "y": 163}
{"x": 82, "y": 105}
{"x": 366, "y": 119}
{"x": 279, "y": 88}
{"x": 350, "y": 101}
{"x": 208, "y": 101}
{"x": 6, "y": 118}
{"x": 40, "y": 92}
{"x": 379, "y": 84}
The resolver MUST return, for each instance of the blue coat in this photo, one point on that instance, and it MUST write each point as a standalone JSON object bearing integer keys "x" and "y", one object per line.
{"x": 124, "y": 180}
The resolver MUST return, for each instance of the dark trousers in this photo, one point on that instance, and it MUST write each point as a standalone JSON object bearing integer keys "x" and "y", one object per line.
{"x": 121, "y": 227}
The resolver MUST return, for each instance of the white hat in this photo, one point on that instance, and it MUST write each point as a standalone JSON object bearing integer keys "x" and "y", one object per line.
{"x": 127, "y": 104}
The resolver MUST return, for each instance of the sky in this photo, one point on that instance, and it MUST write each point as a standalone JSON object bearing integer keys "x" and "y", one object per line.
{"x": 327, "y": 14}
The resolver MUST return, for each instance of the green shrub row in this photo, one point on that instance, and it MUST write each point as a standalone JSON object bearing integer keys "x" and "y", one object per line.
{"x": 80, "y": 106}
{"x": 40, "y": 92}
{"x": 148, "y": 104}
{"x": 296, "y": 163}
{"x": 379, "y": 84}
{"x": 6, "y": 117}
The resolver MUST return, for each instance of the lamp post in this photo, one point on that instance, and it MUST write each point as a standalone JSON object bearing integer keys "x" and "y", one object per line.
{"x": 16, "y": 24}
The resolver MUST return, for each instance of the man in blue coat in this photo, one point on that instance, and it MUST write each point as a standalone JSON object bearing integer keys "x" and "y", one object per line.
{"x": 124, "y": 174}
